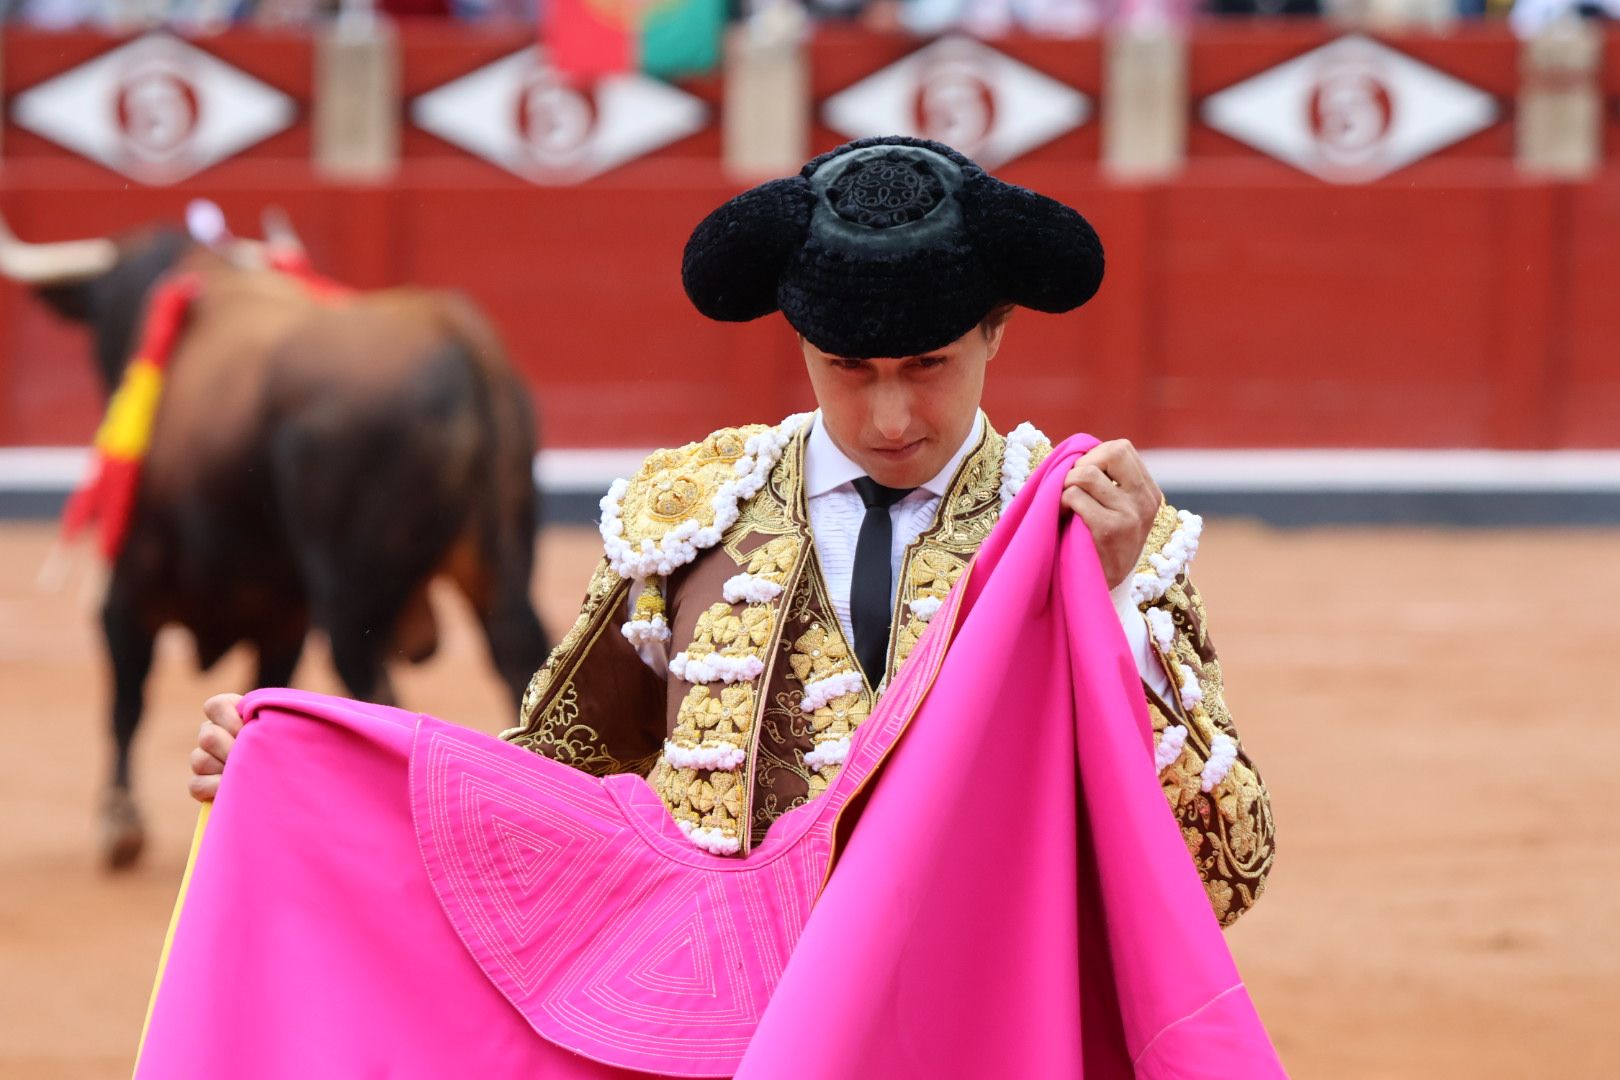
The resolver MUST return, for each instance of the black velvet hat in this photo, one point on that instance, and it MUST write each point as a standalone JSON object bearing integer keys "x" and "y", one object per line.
{"x": 889, "y": 247}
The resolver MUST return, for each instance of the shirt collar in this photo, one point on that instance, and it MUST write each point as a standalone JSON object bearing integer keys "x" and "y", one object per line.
{"x": 826, "y": 467}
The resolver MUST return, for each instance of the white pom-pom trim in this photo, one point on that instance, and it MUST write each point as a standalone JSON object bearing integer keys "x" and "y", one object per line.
{"x": 831, "y": 752}
{"x": 681, "y": 544}
{"x": 748, "y": 589}
{"x": 926, "y": 607}
{"x": 836, "y": 685}
{"x": 716, "y": 667}
{"x": 1171, "y": 562}
{"x": 1017, "y": 461}
{"x": 1222, "y": 756}
{"x": 704, "y": 756}
{"x": 1169, "y": 748}
{"x": 1191, "y": 692}
{"x": 1162, "y": 626}
{"x": 713, "y": 841}
{"x": 653, "y": 631}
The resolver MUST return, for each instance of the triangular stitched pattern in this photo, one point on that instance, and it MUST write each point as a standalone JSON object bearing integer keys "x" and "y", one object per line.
{"x": 679, "y": 964}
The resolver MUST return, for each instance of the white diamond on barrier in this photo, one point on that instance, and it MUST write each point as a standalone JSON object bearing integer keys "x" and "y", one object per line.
{"x": 963, "y": 93}
{"x": 519, "y": 114}
{"x": 1350, "y": 111}
{"x": 157, "y": 109}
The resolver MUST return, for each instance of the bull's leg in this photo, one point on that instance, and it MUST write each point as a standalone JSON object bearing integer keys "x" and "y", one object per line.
{"x": 357, "y": 653}
{"x": 277, "y": 662}
{"x": 517, "y": 641}
{"x": 129, "y": 648}
{"x": 495, "y": 580}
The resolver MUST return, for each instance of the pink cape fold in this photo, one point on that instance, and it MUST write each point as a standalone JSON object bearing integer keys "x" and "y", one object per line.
{"x": 1016, "y": 900}
{"x": 381, "y": 894}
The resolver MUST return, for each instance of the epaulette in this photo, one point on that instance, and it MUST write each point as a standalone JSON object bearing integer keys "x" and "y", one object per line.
{"x": 1171, "y": 544}
{"x": 1026, "y": 448}
{"x": 682, "y": 501}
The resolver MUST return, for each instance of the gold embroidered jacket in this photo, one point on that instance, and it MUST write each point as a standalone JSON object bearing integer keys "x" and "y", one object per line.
{"x": 711, "y": 544}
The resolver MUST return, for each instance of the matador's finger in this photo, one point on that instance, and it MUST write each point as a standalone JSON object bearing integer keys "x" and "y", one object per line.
{"x": 216, "y": 741}
{"x": 1101, "y": 487}
{"x": 205, "y": 764}
{"x": 222, "y": 710}
{"x": 1124, "y": 465}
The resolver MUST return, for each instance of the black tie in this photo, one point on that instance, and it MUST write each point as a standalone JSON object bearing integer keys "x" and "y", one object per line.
{"x": 871, "y": 587}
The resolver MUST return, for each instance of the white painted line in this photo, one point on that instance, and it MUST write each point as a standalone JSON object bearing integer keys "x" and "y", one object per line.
{"x": 591, "y": 471}
{"x": 42, "y": 468}
{"x": 1386, "y": 470}
{"x": 585, "y": 470}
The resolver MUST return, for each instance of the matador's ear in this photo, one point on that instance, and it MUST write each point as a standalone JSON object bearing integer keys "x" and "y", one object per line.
{"x": 1042, "y": 254}
{"x": 734, "y": 259}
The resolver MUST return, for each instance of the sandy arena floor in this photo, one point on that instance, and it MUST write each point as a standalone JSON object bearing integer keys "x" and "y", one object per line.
{"x": 1431, "y": 710}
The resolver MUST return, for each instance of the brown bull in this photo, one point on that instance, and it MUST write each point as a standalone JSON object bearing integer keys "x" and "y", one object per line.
{"x": 311, "y": 465}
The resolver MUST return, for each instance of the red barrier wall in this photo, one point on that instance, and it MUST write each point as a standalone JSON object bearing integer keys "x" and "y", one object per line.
{"x": 1454, "y": 303}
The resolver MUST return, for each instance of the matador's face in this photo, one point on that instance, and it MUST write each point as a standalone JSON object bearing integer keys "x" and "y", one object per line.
{"x": 901, "y": 418}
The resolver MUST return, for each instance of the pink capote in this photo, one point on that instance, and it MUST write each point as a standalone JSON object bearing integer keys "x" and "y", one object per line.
{"x": 969, "y": 930}
{"x": 990, "y": 916}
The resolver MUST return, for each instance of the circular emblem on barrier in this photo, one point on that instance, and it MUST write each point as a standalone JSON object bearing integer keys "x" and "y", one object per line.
{"x": 1351, "y": 112}
{"x": 555, "y": 121}
{"x": 956, "y": 103}
{"x": 157, "y": 110}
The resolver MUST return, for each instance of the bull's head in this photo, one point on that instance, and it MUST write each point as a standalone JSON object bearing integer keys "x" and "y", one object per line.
{"x": 100, "y": 283}
{"x": 103, "y": 284}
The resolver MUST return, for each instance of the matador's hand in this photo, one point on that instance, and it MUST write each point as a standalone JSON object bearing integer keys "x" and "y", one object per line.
{"x": 214, "y": 742}
{"x": 1109, "y": 487}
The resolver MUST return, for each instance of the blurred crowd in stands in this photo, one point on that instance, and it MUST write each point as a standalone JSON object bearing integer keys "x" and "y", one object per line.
{"x": 985, "y": 18}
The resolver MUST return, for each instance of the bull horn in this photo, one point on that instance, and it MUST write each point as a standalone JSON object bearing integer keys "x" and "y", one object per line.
{"x": 205, "y": 221}
{"x": 279, "y": 234}
{"x": 61, "y": 263}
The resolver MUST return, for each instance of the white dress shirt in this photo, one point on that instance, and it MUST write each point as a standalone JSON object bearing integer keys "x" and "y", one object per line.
{"x": 836, "y": 513}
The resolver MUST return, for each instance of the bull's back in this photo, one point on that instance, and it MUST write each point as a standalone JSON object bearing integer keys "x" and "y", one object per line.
{"x": 317, "y": 445}
{"x": 209, "y": 426}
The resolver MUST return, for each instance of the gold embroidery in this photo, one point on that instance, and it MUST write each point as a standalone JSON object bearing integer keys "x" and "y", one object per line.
{"x": 818, "y": 653}
{"x": 784, "y": 735}
{"x": 679, "y": 485}
{"x": 549, "y": 717}
{"x": 708, "y": 718}
{"x": 603, "y": 584}
{"x": 720, "y": 798}
{"x": 1231, "y": 823}
{"x": 934, "y": 572}
{"x": 785, "y": 731}
{"x": 559, "y": 735}
{"x": 710, "y": 798}
{"x": 775, "y": 559}
{"x": 969, "y": 511}
{"x": 729, "y": 632}
{"x": 1165, "y": 524}
{"x": 674, "y": 786}
{"x": 840, "y": 716}
{"x": 777, "y": 509}
{"x": 1038, "y": 453}
{"x": 650, "y": 604}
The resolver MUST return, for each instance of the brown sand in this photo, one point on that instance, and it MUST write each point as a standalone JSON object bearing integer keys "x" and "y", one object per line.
{"x": 1433, "y": 712}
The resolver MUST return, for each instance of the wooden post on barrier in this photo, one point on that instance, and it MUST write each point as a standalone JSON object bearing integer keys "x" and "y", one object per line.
{"x": 1559, "y": 128}
{"x": 765, "y": 116}
{"x": 356, "y": 112}
{"x": 1144, "y": 104}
